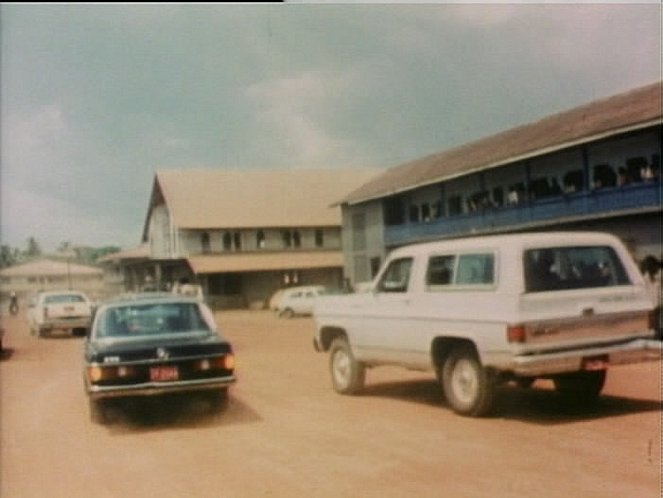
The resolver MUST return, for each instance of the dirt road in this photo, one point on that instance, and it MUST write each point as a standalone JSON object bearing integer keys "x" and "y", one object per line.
{"x": 285, "y": 433}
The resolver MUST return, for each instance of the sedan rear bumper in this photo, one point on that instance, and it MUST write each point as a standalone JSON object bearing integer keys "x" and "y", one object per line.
{"x": 158, "y": 388}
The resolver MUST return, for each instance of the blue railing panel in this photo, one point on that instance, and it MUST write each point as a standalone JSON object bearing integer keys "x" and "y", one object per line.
{"x": 578, "y": 204}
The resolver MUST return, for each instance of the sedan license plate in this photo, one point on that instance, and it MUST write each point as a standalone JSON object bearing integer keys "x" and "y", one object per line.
{"x": 163, "y": 374}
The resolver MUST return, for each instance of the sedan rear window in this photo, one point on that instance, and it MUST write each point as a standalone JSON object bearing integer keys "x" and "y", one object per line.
{"x": 151, "y": 319}
{"x": 564, "y": 268}
{"x": 64, "y": 298}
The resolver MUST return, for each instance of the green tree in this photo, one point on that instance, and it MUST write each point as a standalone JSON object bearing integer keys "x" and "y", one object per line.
{"x": 8, "y": 256}
{"x": 34, "y": 249}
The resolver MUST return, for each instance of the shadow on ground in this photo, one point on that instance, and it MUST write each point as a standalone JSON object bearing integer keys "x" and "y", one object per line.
{"x": 175, "y": 412}
{"x": 534, "y": 405}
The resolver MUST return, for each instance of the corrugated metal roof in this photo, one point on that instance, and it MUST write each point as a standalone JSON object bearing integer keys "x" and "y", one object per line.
{"x": 234, "y": 198}
{"x": 629, "y": 110}
{"x": 276, "y": 261}
{"x": 47, "y": 267}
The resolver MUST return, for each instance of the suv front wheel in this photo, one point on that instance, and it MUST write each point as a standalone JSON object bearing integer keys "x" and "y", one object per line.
{"x": 348, "y": 375}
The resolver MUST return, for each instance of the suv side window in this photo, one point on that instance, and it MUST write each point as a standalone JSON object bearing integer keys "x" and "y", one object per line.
{"x": 440, "y": 270}
{"x": 396, "y": 276}
{"x": 464, "y": 269}
{"x": 475, "y": 269}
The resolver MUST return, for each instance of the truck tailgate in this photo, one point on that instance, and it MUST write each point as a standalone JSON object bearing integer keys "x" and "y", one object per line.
{"x": 67, "y": 310}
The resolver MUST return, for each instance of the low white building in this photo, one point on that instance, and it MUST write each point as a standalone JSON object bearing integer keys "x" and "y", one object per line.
{"x": 45, "y": 275}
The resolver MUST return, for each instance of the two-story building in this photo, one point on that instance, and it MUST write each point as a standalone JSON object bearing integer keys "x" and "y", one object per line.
{"x": 243, "y": 234}
{"x": 594, "y": 167}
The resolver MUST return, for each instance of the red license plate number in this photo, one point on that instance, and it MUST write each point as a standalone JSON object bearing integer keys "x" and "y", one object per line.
{"x": 163, "y": 374}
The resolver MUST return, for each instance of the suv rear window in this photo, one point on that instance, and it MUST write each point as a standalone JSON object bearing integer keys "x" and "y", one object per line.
{"x": 564, "y": 268}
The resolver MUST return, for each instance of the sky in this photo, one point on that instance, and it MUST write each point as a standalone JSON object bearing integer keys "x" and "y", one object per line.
{"x": 95, "y": 98}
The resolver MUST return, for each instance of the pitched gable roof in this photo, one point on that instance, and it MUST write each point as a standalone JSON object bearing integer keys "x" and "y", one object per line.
{"x": 233, "y": 198}
{"x": 627, "y": 111}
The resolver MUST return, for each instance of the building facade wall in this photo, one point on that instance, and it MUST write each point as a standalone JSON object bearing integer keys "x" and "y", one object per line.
{"x": 363, "y": 241}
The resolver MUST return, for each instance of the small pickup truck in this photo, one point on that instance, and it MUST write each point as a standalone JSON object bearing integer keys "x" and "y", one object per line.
{"x": 60, "y": 310}
{"x": 484, "y": 311}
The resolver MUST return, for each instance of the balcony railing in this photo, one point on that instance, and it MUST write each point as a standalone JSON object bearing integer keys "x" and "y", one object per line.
{"x": 579, "y": 205}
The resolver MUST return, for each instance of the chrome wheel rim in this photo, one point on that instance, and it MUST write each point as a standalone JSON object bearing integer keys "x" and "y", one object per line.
{"x": 464, "y": 381}
{"x": 341, "y": 368}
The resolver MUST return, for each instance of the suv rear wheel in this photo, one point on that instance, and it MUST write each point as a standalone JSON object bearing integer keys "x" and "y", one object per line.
{"x": 468, "y": 387}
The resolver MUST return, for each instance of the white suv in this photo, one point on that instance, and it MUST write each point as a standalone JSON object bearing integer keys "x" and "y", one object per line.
{"x": 484, "y": 311}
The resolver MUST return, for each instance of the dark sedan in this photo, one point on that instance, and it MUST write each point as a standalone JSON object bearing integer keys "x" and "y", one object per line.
{"x": 154, "y": 344}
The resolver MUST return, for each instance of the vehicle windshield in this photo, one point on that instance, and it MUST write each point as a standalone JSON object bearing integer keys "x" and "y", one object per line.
{"x": 64, "y": 298}
{"x": 151, "y": 319}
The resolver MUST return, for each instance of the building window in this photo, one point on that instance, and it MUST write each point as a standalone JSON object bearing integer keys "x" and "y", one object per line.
{"x": 455, "y": 205}
{"x": 227, "y": 241}
{"x": 286, "y": 235}
{"x": 425, "y": 212}
{"x": 204, "y": 242}
{"x": 438, "y": 209}
{"x": 319, "y": 238}
{"x": 394, "y": 211}
{"x": 291, "y": 238}
{"x": 237, "y": 241}
{"x": 414, "y": 213}
{"x": 498, "y": 196}
{"x": 260, "y": 239}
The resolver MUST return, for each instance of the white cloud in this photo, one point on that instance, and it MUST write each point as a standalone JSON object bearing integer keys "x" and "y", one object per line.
{"x": 293, "y": 109}
{"x": 52, "y": 220}
{"x": 41, "y": 128}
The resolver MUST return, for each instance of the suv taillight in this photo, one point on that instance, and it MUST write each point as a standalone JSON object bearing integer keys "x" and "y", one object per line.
{"x": 515, "y": 333}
